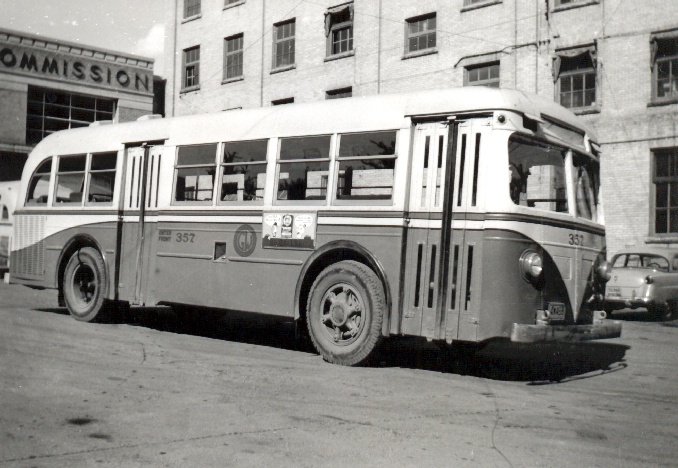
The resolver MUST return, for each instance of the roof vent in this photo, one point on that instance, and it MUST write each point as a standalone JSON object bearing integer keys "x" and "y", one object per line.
{"x": 149, "y": 117}
{"x": 98, "y": 123}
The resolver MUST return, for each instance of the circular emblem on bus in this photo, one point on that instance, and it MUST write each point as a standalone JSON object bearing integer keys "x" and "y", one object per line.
{"x": 245, "y": 240}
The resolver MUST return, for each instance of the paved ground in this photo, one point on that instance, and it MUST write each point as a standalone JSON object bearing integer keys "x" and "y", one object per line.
{"x": 153, "y": 391}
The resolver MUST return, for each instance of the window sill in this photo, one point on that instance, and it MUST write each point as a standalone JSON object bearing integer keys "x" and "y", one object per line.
{"x": 191, "y": 18}
{"x": 585, "y": 110}
{"x": 342, "y": 55}
{"x": 232, "y": 80}
{"x": 283, "y": 69}
{"x": 233, "y": 5}
{"x": 664, "y": 102}
{"x": 420, "y": 53}
{"x": 475, "y": 6}
{"x": 671, "y": 238}
{"x": 575, "y": 5}
{"x": 190, "y": 89}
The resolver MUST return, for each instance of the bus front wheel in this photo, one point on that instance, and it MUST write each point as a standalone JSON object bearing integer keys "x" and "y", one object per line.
{"x": 84, "y": 285}
{"x": 345, "y": 311}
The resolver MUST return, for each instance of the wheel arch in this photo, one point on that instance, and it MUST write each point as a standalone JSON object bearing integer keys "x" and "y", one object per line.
{"x": 329, "y": 254}
{"x": 76, "y": 243}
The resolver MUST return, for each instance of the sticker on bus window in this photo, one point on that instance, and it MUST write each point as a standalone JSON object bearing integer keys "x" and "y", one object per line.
{"x": 289, "y": 230}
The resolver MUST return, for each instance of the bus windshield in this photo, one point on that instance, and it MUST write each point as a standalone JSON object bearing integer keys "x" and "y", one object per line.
{"x": 537, "y": 178}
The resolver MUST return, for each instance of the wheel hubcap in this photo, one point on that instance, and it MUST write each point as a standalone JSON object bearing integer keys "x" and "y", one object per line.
{"x": 342, "y": 313}
{"x": 84, "y": 284}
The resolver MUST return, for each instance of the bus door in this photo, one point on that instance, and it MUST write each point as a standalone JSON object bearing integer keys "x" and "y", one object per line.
{"x": 464, "y": 250}
{"x": 429, "y": 156}
{"x": 138, "y": 219}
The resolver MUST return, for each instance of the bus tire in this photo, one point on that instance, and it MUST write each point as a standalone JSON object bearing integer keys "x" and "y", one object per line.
{"x": 345, "y": 312}
{"x": 85, "y": 285}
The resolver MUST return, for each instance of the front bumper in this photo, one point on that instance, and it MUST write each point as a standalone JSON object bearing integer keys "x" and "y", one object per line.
{"x": 599, "y": 330}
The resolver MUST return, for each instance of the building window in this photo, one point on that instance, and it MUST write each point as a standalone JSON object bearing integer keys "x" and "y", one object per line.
{"x": 482, "y": 75}
{"x": 666, "y": 191}
{"x": 420, "y": 33}
{"x": 280, "y": 102}
{"x": 339, "y": 93}
{"x": 191, "y": 8}
{"x": 233, "y": 2}
{"x": 50, "y": 111}
{"x": 575, "y": 74}
{"x": 664, "y": 68}
{"x": 194, "y": 173}
{"x": 339, "y": 29}
{"x": 191, "y": 67}
{"x": 283, "y": 44}
{"x": 233, "y": 57}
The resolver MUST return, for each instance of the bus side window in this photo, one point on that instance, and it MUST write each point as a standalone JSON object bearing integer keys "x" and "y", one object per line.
{"x": 366, "y": 166}
{"x": 243, "y": 171}
{"x": 102, "y": 177}
{"x": 303, "y": 168}
{"x": 70, "y": 179}
{"x": 195, "y": 173}
{"x": 38, "y": 188}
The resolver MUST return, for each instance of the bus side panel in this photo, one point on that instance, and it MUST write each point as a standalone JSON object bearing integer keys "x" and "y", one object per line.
{"x": 128, "y": 259}
{"x": 190, "y": 268}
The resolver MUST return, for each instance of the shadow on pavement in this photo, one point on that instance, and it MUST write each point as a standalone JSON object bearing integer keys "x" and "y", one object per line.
{"x": 497, "y": 360}
{"x": 502, "y": 360}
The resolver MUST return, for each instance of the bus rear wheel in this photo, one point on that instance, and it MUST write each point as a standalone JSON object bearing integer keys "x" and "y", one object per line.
{"x": 84, "y": 286}
{"x": 345, "y": 312}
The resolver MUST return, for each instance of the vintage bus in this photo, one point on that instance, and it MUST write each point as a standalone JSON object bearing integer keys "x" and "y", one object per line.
{"x": 8, "y": 194}
{"x": 459, "y": 215}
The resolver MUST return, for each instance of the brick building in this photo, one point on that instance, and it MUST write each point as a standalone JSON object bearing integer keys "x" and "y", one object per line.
{"x": 48, "y": 85}
{"x": 614, "y": 62}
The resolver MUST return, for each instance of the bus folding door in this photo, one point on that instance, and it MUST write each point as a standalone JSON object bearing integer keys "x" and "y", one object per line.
{"x": 427, "y": 186}
{"x": 441, "y": 299}
{"x": 139, "y": 218}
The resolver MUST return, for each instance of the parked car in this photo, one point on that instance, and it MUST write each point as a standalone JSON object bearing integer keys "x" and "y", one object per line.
{"x": 644, "y": 276}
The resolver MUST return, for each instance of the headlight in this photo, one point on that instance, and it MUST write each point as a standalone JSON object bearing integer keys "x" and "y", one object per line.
{"x": 531, "y": 264}
{"x": 605, "y": 271}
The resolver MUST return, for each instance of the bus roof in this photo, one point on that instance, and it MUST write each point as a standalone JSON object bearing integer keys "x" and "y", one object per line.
{"x": 357, "y": 114}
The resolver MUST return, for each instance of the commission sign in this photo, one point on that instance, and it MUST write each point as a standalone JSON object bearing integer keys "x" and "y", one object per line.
{"x": 66, "y": 67}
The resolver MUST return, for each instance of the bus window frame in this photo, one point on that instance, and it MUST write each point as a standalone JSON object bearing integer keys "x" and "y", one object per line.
{"x": 175, "y": 174}
{"x": 336, "y": 162}
{"x": 88, "y": 179}
{"x": 50, "y": 180}
{"x": 330, "y": 171}
{"x": 221, "y": 165}
{"x": 55, "y": 199}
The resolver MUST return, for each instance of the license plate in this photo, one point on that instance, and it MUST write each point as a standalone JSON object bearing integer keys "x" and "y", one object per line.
{"x": 613, "y": 291}
{"x": 556, "y": 311}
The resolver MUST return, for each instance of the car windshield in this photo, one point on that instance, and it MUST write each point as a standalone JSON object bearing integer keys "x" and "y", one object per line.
{"x": 635, "y": 260}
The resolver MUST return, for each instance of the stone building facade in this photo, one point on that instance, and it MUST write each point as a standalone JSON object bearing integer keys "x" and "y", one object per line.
{"x": 48, "y": 85}
{"x": 614, "y": 62}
